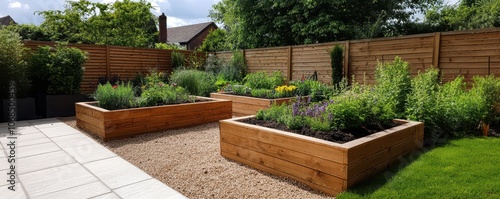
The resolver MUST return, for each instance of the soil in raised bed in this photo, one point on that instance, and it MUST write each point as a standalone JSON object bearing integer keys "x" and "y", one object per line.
{"x": 338, "y": 136}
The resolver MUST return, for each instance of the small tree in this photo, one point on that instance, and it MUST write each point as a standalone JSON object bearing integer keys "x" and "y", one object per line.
{"x": 337, "y": 59}
{"x": 57, "y": 70}
{"x": 12, "y": 63}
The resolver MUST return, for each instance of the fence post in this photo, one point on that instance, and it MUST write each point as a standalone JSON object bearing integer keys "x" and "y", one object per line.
{"x": 108, "y": 70}
{"x": 436, "y": 49}
{"x": 346, "y": 59}
{"x": 289, "y": 74}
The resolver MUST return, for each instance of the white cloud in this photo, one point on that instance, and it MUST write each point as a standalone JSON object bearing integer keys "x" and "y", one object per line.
{"x": 175, "y": 22}
{"x": 15, "y": 4}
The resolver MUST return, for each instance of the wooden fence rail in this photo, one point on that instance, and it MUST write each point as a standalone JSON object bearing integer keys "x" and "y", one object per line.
{"x": 467, "y": 53}
{"x": 109, "y": 61}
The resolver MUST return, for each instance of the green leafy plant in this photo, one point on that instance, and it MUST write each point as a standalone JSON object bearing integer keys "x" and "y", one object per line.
{"x": 488, "y": 89}
{"x": 241, "y": 90}
{"x": 178, "y": 60}
{"x": 393, "y": 85}
{"x": 12, "y": 64}
{"x": 195, "y": 61}
{"x": 194, "y": 81}
{"x": 58, "y": 70}
{"x": 421, "y": 103}
{"x": 174, "y": 46}
{"x": 115, "y": 97}
{"x": 164, "y": 94}
{"x": 337, "y": 61}
{"x": 263, "y": 80}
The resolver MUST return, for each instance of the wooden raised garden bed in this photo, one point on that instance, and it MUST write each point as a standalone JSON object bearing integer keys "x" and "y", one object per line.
{"x": 322, "y": 165}
{"x": 127, "y": 122}
{"x": 243, "y": 105}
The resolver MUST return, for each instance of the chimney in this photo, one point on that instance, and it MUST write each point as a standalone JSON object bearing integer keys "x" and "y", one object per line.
{"x": 162, "y": 36}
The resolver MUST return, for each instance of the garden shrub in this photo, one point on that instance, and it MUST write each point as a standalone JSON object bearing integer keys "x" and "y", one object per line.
{"x": 241, "y": 90}
{"x": 488, "y": 90}
{"x": 194, "y": 81}
{"x": 163, "y": 94}
{"x": 263, "y": 80}
{"x": 214, "y": 64}
{"x": 337, "y": 62}
{"x": 12, "y": 64}
{"x": 421, "y": 102}
{"x": 393, "y": 85}
{"x": 58, "y": 70}
{"x": 114, "y": 97}
{"x": 195, "y": 61}
{"x": 177, "y": 60}
{"x": 236, "y": 68}
{"x": 314, "y": 89}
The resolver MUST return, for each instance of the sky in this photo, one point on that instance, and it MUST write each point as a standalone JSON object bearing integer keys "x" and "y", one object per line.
{"x": 179, "y": 12}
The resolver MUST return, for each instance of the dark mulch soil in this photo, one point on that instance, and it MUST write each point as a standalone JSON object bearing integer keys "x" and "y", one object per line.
{"x": 333, "y": 136}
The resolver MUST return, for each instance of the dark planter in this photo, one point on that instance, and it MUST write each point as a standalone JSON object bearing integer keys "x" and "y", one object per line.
{"x": 25, "y": 109}
{"x": 61, "y": 105}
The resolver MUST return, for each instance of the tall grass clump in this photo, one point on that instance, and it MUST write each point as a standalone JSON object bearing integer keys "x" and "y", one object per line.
{"x": 194, "y": 81}
{"x": 115, "y": 97}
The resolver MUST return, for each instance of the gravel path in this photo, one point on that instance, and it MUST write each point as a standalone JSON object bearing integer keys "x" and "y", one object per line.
{"x": 189, "y": 161}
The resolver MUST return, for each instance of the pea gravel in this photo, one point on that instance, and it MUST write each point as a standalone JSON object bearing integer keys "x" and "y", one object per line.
{"x": 189, "y": 161}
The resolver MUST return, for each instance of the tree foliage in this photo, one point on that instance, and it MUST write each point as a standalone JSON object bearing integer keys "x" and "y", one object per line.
{"x": 262, "y": 23}
{"x": 215, "y": 41}
{"x": 124, "y": 23}
{"x": 468, "y": 14}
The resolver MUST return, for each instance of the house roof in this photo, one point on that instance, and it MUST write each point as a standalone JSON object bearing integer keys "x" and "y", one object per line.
{"x": 184, "y": 34}
{"x": 6, "y": 20}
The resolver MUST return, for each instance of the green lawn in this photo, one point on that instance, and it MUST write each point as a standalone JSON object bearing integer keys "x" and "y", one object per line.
{"x": 464, "y": 168}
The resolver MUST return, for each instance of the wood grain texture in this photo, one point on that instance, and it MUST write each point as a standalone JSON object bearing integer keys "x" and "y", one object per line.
{"x": 322, "y": 165}
{"x": 456, "y": 53}
{"x": 127, "y": 122}
{"x": 243, "y": 105}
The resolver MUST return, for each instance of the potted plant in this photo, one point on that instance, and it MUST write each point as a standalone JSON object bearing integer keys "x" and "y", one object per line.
{"x": 14, "y": 83}
{"x": 159, "y": 106}
{"x": 57, "y": 73}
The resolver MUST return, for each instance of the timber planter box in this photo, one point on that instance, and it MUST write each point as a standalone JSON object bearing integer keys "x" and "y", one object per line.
{"x": 322, "y": 165}
{"x": 243, "y": 105}
{"x": 108, "y": 124}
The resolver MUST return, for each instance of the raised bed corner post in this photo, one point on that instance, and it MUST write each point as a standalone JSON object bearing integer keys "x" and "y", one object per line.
{"x": 289, "y": 74}
{"x": 346, "y": 59}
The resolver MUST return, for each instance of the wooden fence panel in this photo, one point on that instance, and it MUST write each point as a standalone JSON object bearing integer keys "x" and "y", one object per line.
{"x": 125, "y": 62}
{"x": 469, "y": 54}
{"x": 267, "y": 59}
{"x": 364, "y": 55}
{"x": 224, "y": 55}
{"x": 306, "y": 59}
{"x": 128, "y": 62}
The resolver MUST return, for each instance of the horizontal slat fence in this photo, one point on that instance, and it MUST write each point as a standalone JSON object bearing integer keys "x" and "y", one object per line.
{"x": 125, "y": 62}
{"x": 466, "y": 53}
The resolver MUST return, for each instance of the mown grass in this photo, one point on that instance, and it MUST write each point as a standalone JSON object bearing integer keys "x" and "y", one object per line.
{"x": 463, "y": 168}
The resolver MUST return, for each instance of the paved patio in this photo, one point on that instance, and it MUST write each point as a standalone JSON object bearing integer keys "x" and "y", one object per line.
{"x": 53, "y": 160}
